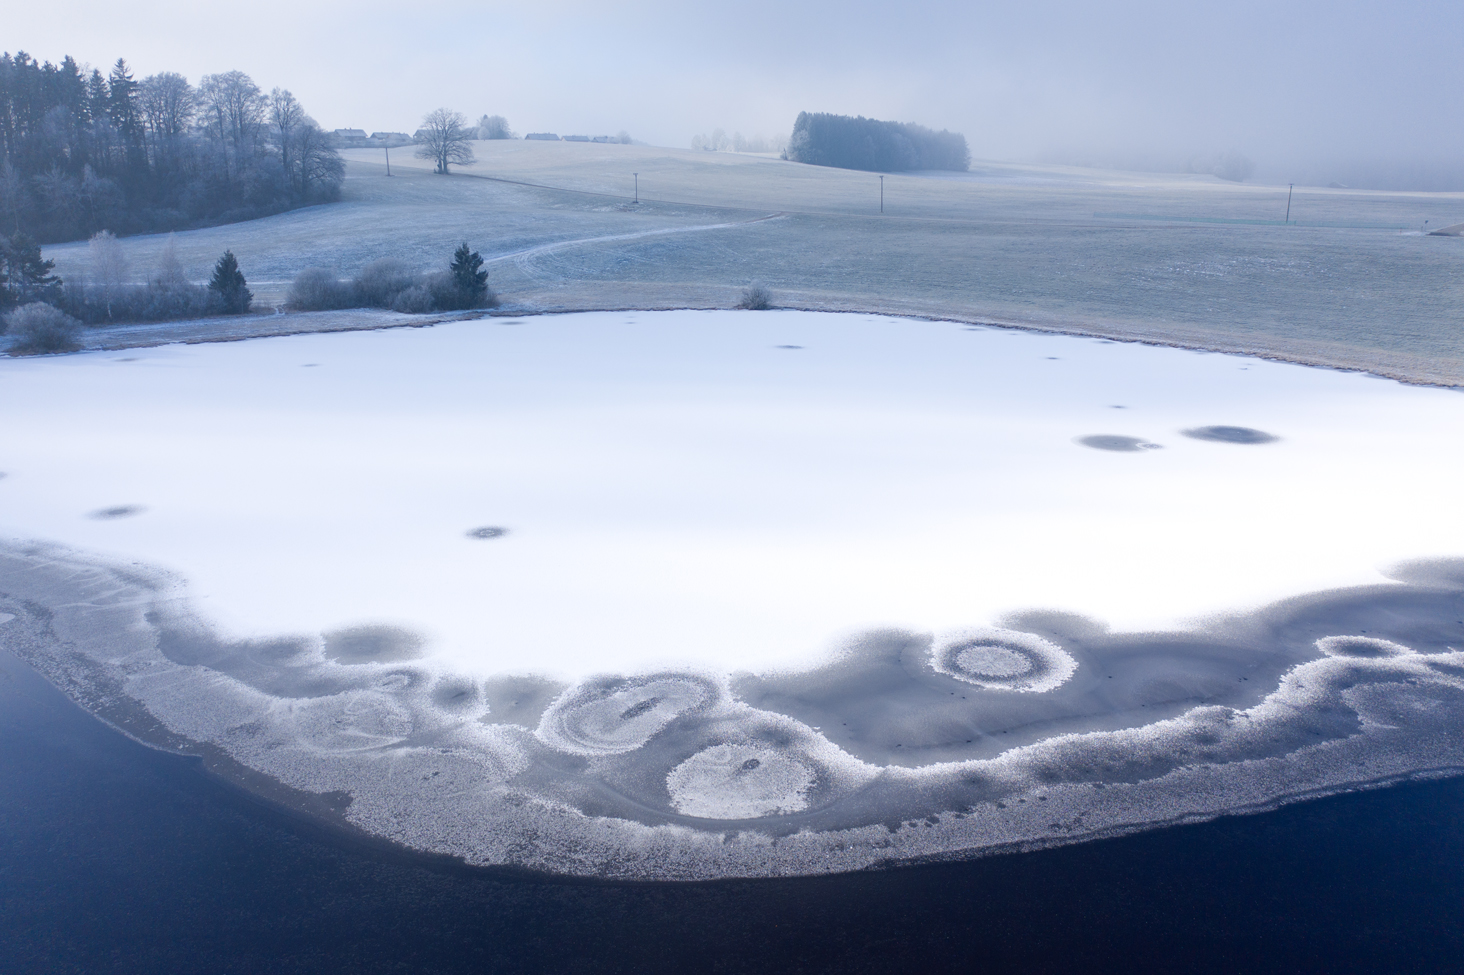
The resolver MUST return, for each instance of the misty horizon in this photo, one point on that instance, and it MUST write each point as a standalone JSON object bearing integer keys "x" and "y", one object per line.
{"x": 1313, "y": 95}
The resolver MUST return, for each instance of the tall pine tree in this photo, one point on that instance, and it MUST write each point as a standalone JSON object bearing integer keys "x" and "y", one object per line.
{"x": 228, "y": 282}
{"x": 24, "y": 274}
{"x": 467, "y": 276}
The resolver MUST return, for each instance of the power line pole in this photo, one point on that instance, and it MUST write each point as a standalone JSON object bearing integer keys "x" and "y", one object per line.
{"x": 387, "y": 150}
{"x": 637, "y": 186}
{"x": 881, "y": 194}
{"x": 1289, "y": 187}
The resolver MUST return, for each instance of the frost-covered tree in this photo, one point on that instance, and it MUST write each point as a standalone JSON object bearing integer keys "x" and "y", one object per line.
{"x": 169, "y": 273}
{"x": 494, "y": 127}
{"x": 285, "y": 117}
{"x": 168, "y": 103}
{"x": 108, "y": 264}
{"x": 444, "y": 139}
{"x": 234, "y": 108}
{"x": 82, "y": 150}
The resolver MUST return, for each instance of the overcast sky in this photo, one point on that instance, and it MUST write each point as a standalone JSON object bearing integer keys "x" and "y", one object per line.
{"x": 1366, "y": 93}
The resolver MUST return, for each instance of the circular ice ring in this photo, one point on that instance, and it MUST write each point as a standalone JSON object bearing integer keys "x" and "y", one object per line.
{"x": 1006, "y": 660}
{"x": 740, "y": 781}
{"x": 1361, "y": 647}
{"x": 610, "y": 716}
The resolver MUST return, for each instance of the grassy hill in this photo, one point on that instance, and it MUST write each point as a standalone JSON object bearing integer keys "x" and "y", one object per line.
{"x": 1188, "y": 260}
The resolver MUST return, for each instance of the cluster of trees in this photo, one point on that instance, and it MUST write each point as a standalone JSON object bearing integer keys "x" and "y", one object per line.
{"x": 720, "y": 141}
{"x": 390, "y": 283}
{"x": 494, "y": 127}
{"x": 865, "y": 143}
{"x": 82, "y": 151}
{"x": 46, "y": 315}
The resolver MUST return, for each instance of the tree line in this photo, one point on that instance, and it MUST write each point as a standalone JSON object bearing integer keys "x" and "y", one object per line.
{"x": 45, "y": 314}
{"x": 865, "y": 143}
{"x": 81, "y": 151}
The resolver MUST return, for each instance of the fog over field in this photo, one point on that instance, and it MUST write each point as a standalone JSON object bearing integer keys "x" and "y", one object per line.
{"x": 1311, "y": 92}
{"x": 1190, "y": 260}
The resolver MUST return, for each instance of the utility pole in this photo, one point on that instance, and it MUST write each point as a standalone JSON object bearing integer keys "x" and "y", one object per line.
{"x": 881, "y": 194}
{"x": 387, "y": 150}
{"x": 1289, "y": 187}
{"x": 637, "y": 186}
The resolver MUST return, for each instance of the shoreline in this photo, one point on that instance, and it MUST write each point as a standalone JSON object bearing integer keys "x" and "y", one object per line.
{"x": 96, "y": 655}
{"x": 1399, "y": 367}
{"x": 324, "y": 813}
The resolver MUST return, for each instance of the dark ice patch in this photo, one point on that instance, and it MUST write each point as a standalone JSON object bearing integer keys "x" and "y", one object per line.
{"x": 119, "y": 511}
{"x": 1112, "y": 441}
{"x": 280, "y": 666}
{"x": 519, "y": 700}
{"x": 1230, "y": 435}
{"x": 487, "y": 531}
{"x": 372, "y": 644}
{"x": 883, "y": 702}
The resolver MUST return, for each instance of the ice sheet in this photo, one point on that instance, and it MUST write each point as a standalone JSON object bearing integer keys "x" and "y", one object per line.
{"x": 678, "y": 490}
{"x": 689, "y": 595}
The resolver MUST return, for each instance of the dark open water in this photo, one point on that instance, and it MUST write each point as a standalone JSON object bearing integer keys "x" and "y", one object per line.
{"x": 116, "y": 858}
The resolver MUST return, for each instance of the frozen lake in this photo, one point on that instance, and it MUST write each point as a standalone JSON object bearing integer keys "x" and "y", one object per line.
{"x": 690, "y": 489}
{"x": 803, "y": 571}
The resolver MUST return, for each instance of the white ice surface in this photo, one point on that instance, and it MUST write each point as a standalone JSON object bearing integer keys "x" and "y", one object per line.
{"x": 679, "y": 491}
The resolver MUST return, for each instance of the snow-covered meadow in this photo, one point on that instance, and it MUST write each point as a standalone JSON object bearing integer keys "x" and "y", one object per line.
{"x": 1355, "y": 282}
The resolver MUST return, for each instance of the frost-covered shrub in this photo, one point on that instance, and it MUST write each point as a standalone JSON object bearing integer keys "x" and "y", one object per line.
{"x": 316, "y": 289}
{"x": 756, "y": 298}
{"x": 381, "y": 281}
{"x": 40, "y": 328}
{"x": 388, "y": 282}
{"x": 414, "y": 301}
{"x": 154, "y": 302}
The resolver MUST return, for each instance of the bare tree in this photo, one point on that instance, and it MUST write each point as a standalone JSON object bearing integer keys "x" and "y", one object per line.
{"x": 316, "y": 160}
{"x": 169, "y": 274}
{"x": 234, "y": 106}
{"x": 444, "y": 139}
{"x": 168, "y": 103}
{"x": 108, "y": 263}
{"x": 286, "y": 115}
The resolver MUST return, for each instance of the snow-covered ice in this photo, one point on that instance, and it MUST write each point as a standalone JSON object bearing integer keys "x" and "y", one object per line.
{"x": 614, "y": 579}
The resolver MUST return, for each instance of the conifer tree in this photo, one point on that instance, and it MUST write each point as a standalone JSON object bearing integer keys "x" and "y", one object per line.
{"x": 228, "y": 282}
{"x": 471, "y": 282}
{"x": 24, "y": 274}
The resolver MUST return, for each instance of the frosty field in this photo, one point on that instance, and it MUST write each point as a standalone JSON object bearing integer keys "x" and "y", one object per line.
{"x": 708, "y": 593}
{"x": 1185, "y": 260}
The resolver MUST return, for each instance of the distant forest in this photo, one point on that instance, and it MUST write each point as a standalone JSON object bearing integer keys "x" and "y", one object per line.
{"x": 82, "y": 152}
{"x": 865, "y": 143}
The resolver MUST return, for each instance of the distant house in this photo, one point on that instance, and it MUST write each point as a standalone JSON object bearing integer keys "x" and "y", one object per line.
{"x": 349, "y": 138}
{"x": 604, "y": 138}
{"x": 576, "y": 138}
{"x": 389, "y": 139}
{"x": 358, "y": 139}
{"x": 543, "y": 136}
